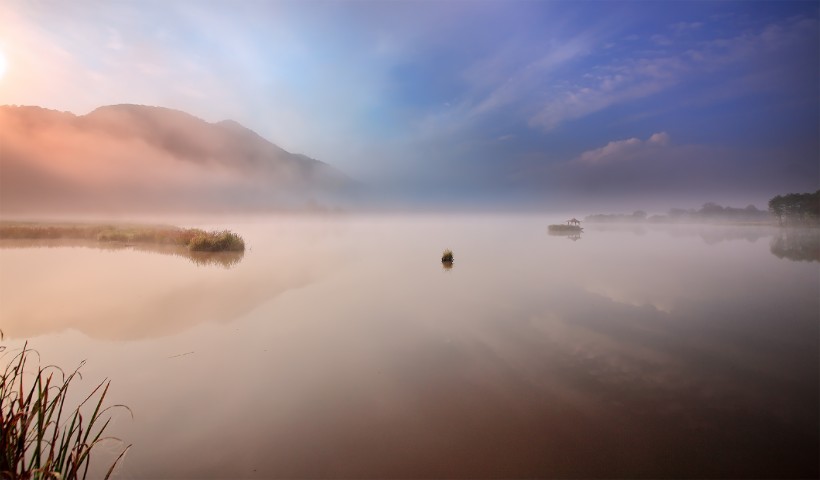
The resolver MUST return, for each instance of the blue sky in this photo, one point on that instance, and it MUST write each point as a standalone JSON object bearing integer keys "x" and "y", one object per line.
{"x": 474, "y": 100}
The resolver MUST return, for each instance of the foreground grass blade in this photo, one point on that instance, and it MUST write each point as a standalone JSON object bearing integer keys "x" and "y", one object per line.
{"x": 35, "y": 444}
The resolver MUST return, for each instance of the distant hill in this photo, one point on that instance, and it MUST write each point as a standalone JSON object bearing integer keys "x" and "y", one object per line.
{"x": 151, "y": 158}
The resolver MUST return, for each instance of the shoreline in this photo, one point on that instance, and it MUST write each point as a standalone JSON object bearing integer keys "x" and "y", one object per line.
{"x": 194, "y": 239}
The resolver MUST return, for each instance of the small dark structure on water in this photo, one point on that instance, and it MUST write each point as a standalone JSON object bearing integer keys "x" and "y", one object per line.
{"x": 447, "y": 259}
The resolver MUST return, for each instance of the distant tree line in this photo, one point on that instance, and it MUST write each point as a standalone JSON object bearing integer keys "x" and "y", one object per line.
{"x": 637, "y": 216}
{"x": 709, "y": 212}
{"x": 796, "y": 208}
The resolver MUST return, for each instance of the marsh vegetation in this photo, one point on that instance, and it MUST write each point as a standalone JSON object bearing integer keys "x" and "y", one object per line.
{"x": 193, "y": 239}
{"x": 41, "y": 435}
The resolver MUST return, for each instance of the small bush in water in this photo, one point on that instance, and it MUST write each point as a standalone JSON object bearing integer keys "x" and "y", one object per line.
{"x": 224, "y": 241}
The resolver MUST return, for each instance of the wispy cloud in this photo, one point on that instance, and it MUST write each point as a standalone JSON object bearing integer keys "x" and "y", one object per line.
{"x": 623, "y": 80}
{"x": 532, "y": 74}
{"x": 623, "y": 150}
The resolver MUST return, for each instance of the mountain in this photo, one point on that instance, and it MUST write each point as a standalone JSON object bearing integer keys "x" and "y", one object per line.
{"x": 137, "y": 157}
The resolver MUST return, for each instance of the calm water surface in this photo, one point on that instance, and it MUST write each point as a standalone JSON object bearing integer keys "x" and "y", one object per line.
{"x": 340, "y": 347}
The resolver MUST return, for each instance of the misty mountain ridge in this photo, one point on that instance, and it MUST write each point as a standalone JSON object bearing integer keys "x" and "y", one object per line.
{"x": 148, "y": 158}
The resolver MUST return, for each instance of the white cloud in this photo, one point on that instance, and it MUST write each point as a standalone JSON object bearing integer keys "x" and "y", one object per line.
{"x": 583, "y": 101}
{"x": 623, "y": 150}
{"x": 661, "y": 138}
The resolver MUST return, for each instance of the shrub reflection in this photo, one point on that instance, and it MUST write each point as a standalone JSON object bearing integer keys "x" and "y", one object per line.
{"x": 203, "y": 259}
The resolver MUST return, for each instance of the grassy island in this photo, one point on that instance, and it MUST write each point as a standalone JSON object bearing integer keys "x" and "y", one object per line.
{"x": 193, "y": 239}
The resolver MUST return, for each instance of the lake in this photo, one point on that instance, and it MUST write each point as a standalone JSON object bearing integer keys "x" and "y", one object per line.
{"x": 340, "y": 347}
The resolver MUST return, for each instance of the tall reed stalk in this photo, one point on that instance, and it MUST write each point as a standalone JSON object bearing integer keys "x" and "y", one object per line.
{"x": 41, "y": 436}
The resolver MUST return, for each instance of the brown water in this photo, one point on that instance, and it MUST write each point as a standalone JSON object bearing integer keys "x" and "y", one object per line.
{"x": 339, "y": 347}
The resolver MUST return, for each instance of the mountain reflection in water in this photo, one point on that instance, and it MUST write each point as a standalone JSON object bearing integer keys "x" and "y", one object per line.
{"x": 127, "y": 292}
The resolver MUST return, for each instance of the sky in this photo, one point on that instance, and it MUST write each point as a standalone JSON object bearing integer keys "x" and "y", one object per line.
{"x": 483, "y": 103}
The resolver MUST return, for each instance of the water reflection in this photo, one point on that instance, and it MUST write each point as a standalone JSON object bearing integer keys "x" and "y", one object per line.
{"x": 622, "y": 356}
{"x": 574, "y": 236}
{"x": 204, "y": 259}
{"x": 714, "y": 234}
{"x": 710, "y": 234}
{"x": 127, "y": 292}
{"x": 797, "y": 245}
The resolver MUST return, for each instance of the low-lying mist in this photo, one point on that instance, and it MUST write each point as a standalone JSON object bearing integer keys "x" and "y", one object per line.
{"x": 129, "y": 159}
{"x": 136, "y": 158}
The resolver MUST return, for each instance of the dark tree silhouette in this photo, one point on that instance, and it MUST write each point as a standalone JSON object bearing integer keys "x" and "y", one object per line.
{"x": 796, "y": 208}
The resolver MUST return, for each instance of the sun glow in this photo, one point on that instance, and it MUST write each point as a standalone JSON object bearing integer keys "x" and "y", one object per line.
{"x": 2, "y": 64}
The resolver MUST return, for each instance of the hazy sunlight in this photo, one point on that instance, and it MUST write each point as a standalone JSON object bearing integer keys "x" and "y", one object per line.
{"x": 2, "y": 64}
{"x": 409, "y": 239}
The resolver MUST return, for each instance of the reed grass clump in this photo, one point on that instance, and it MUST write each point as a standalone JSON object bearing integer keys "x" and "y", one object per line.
{"x": 447, "y": 256}
{"x": 224, "y": 241}
{"x": 41, "y": 437}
